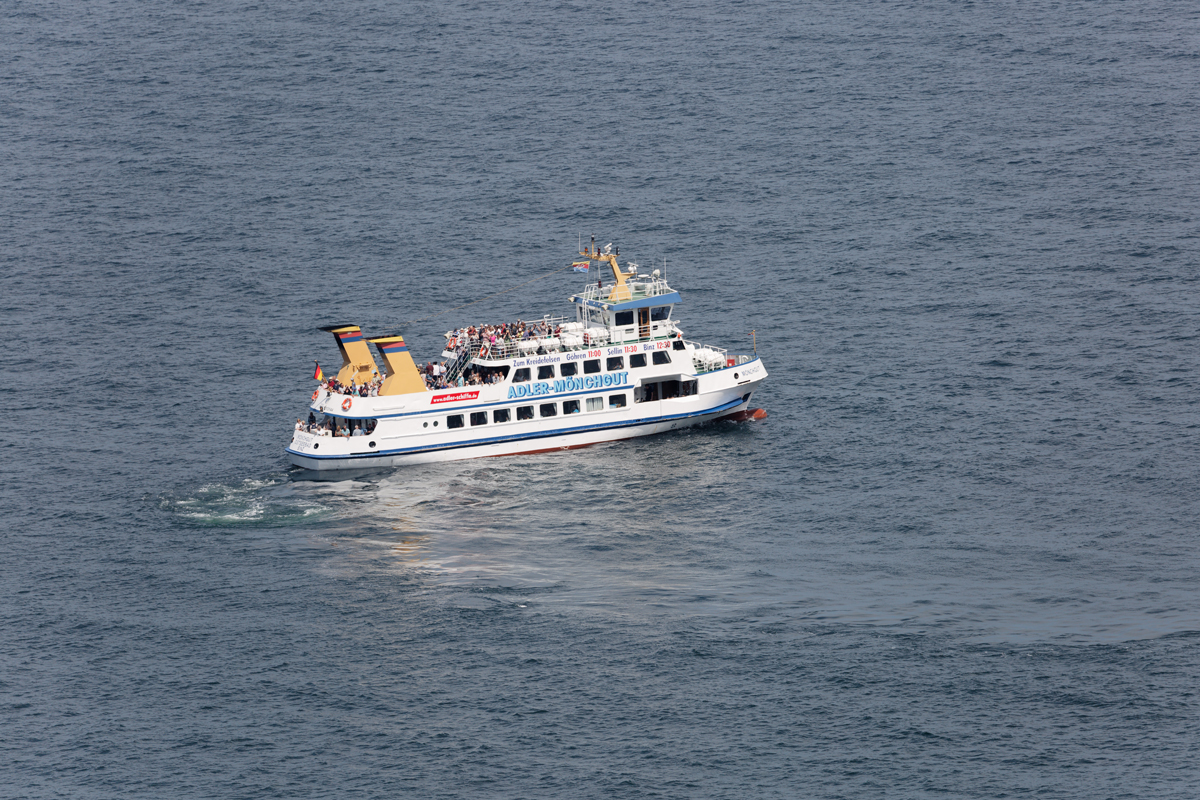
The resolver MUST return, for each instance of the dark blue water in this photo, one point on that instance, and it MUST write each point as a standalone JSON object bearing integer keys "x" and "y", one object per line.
{"x": 958, "y": 560}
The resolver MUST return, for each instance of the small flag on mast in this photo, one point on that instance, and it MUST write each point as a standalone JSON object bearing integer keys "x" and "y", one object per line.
{"x": 318, "y": 375}
{"x": 580, "y": 266}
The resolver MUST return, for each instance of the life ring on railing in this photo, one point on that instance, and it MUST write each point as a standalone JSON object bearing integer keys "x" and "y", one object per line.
{"x": 346, "y": 404}
{"x": 316, "y": 393}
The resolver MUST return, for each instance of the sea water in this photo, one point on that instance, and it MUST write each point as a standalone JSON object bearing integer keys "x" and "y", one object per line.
{"x": 958, "y": 559}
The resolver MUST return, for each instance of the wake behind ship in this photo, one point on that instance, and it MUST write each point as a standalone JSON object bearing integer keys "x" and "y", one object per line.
{"x": 619, "y": 368}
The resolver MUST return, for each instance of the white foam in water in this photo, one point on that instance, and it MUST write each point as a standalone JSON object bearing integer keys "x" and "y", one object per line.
{"x": 254, "y": 501}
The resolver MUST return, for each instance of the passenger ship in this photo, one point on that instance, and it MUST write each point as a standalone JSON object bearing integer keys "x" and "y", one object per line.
{"x": 620, "y": 368}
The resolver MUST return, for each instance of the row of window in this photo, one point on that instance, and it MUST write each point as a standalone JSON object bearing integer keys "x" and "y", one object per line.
{"x": 623, "y": 318}
{"x": 591, "y": 367}
{"x": 501, "y": 415}
{"x": 647, "y": 393}
{"x": 657, "y": 314}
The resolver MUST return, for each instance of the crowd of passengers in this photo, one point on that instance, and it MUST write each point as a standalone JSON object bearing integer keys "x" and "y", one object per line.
{"x": 333, "y": 426}
{"x": 471, "y": 339}
{"x": 505, "y": 334}
{"x": 435, "y": 377}
{"x": 369, "y": 389}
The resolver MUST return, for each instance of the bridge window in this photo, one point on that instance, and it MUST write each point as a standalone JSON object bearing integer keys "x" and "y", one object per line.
{"x": 662, "y": 356}
{"x": 567, "y": 370}
{"x": 591, "y": 367}
{"x": 524, "y": 412}
{"x": 616, "y": 362}
{"x": 500, "y": 415}
{"x": 616, "y": 401}
{"x": 548, "y": 409}
{"x": 455, "y": 421}
{"x": 595, "y": 404}
{"x": 624, "y": 318}
{"x": 638, "y": 360}
{"x": 678, "y": 345}
{"x": 546, "y": 373}
{"x": 570, "y": 406}
{"x": 660, "y": 313}
{"x": 521, "y": 375}
{"x": 478, "y": 418}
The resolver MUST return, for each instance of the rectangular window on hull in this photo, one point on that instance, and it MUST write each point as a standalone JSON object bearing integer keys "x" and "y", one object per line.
{"x": 570, "y": 406}
{"x": 616, "y": 401}
{"x": 662, "y": 356}
{"x": 454, "y": 422}
{"x": 524, "y": 412}
{"x": 615, "y": 363}
{"x": 591, "y": 367}
{"x": 521, "y": 375}
{"x": 595, "y": 404}
{"x": 687, "y": 388}
{"x": 548, "y": 409}
{"x": 500, "y": 415}
{"x": 638, "y": 360}
{"x": 478, "y": 418}
{"x": 670, "y": 389}
{"x": 546, "y": 373}
{"x": 567, "y": 370}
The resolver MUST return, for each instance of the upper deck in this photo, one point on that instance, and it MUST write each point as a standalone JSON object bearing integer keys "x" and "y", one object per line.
{"x": 632, "y": 311}
{"x": 645, "y": 290}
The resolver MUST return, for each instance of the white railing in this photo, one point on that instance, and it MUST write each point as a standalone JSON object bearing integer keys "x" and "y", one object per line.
{"x": 638, "y": 290}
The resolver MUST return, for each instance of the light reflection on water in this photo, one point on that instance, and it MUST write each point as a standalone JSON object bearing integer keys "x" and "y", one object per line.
{"x": 625, "y": 529}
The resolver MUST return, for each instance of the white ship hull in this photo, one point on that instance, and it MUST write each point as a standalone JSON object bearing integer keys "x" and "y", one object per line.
{"x": 409, "y": 436}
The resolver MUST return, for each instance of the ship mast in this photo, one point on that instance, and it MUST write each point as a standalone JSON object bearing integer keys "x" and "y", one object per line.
{"x": 620, "y": 290}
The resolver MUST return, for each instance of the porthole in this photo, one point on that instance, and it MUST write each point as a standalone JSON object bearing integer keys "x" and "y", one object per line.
{"x": 735, "y": 376}
{"x": 435, "y": 422}
{"x": 315, "y": 445}
{"x": 370, "y": 444}
{"x": 426, "y": 425}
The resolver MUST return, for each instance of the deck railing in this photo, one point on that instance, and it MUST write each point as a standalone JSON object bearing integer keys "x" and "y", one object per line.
{"x": 639, "y": 289}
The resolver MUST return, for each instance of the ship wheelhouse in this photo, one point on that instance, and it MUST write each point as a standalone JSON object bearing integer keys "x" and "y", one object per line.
{"x": 637, "y": 310}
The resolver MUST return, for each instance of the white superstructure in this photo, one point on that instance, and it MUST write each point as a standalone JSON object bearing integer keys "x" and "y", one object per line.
{"x": 619, "y": 368}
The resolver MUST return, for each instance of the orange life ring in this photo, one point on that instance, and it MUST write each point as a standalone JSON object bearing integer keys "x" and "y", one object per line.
{"x": 316, "y": 393}
{"x": 346, "y": 404}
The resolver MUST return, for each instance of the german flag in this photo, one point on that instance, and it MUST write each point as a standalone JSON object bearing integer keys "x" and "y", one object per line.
{"x": 318, "y": 375}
